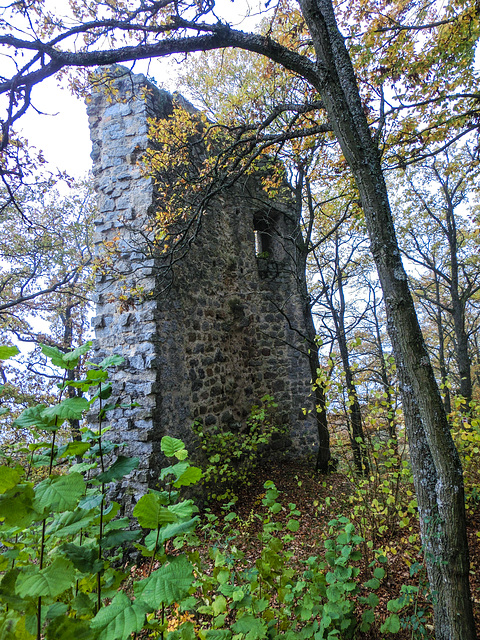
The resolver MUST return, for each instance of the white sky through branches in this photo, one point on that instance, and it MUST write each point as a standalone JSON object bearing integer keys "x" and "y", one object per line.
{"x": 61, "y": 131}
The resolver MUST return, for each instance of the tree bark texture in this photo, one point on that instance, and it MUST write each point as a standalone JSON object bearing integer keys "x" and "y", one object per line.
{"x": 338, "y": 89}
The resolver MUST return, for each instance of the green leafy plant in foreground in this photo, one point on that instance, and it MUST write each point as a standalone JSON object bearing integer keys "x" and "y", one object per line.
{"x": 282, "y": 595}
{"x": 61, "y": 539}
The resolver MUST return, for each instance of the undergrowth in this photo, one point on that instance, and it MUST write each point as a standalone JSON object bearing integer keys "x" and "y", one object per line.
{"x": 65, "y": 573}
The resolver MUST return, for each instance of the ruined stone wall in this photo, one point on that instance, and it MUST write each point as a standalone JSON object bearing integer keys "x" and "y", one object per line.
{"x": 226, "y": 331}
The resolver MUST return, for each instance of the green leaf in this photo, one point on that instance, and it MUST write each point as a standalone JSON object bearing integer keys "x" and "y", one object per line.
{"x": 219, "y": 605}
{"x": 176, "y": 470}
{"x": 8, "y": 352}
{"x": 122, "y": 466}
{"x": 176, "y": 529}
{"x": 293, "y": 525}
{"x": 184, "y": 509}
{"x": 55, "y": 355}
{"x": 34, "y": 417}
{"x": 74, "y": 448}
{"x": 188, "y": 477}
{"x": 51, "y": 581}
{"x": 84, "y": 604}
{"x": 368, "y": 618}
{"x": 9, "y": 478}
{"x": 17, "y": 506}
{"x": 151, "y": 514}
{"x": 372, "y": 600}
{"x": 373, "y": 583}
{"x": 391, "y": 624}
{"x": 57, "y": 609}
{"x": 69, "y": 409}
{"x": 120, "y": 619}
{"x": 69, "y": 629}
{"x": 238, "y": 595}
{"x": 84, "y": 559}
{"x": 379, "y": 572}
{"x": 91, "y": 500}
{"x": 253, "y": 628}
{"x": 59, "y": 493}
{"x": 96, "y": 376}
{"x": 70, "y": 523}
{"x": 8, "y": 594}
{"x": 81, "y": 467}
{"x": 170, "y": 446}
{"x": 114, "y": 525}
{"x": 72, "y": 357}
{"x": 111, "y": 361}
{"x": 115, "y": 538}
{"x": 396, "y": 605}
{"x": 215, "y": 634}
{"x": 168, "y": 584}
{"x": 104, "y": 392}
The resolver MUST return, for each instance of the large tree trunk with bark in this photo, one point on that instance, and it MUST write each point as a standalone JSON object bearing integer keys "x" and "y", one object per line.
{"x": 339, "y": 92}
{"x": 441, "y": 560}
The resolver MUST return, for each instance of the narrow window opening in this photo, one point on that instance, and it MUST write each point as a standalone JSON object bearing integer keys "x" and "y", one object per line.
{"x": 263, "y": 244}
{"x": 263, "y": 228}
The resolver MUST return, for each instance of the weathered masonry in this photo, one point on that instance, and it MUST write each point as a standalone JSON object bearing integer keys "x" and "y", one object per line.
{"x": 228, "y": 328}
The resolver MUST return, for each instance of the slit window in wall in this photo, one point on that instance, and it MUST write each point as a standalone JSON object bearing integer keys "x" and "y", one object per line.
{"x": 263, "y": 225}
{"x": 263, "y": 237}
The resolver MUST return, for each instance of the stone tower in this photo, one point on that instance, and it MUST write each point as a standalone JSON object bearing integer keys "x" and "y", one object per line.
{"x": 229, "y": 327}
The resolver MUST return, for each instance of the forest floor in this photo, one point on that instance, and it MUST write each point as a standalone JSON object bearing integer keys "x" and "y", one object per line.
{"x": 310, "y": 493}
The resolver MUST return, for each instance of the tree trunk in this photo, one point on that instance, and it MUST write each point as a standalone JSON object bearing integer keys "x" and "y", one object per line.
{"x": 441, "y": 347}
{"x": 440, "y": 559}
{"x": 392, "y": 426}
{"x": 458, "y": 307}
{"x": 461, "y": 349}
{"x": 357, "y": 436}
{"x": 338, "y": 89}
{"x": 324, "y": 456}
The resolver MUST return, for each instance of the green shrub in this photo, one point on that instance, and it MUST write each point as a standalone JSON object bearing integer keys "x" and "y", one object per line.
{"x": 232, "y": 456}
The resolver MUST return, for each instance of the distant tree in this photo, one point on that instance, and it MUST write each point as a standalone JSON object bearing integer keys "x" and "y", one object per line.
{"x": 441, "y": 240}
{"x": 45, "y": 281}
{"x": 335, "y": 263}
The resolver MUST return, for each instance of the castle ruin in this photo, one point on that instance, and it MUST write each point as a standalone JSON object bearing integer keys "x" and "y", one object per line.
{"x": 227, "y": 329}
